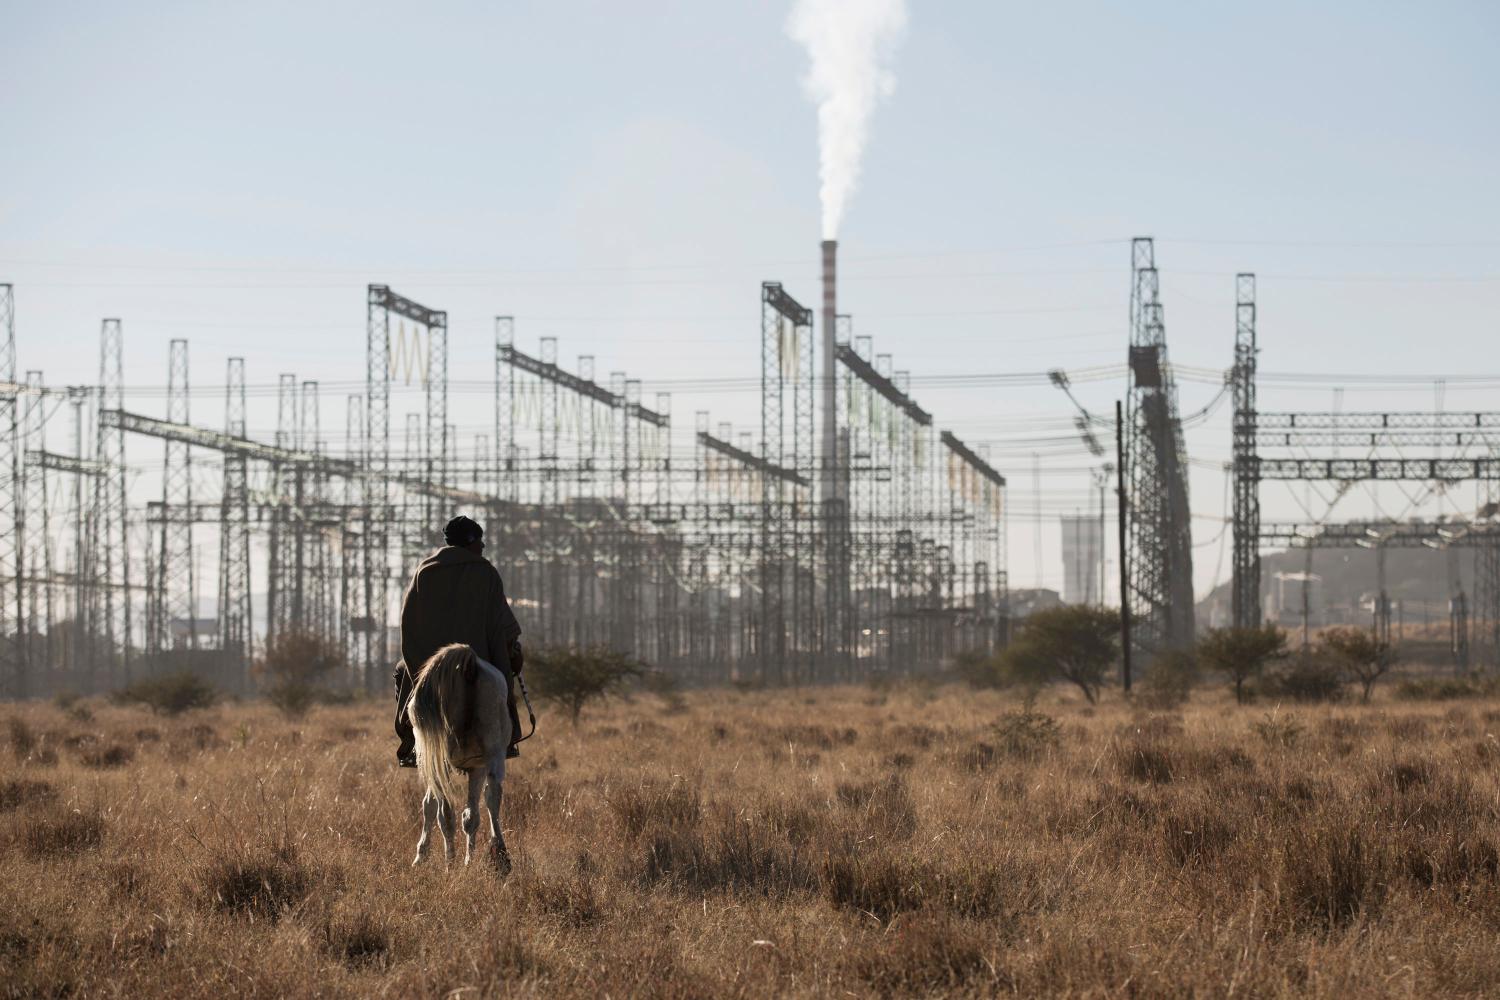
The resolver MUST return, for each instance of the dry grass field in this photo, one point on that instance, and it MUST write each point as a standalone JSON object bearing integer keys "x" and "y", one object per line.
{"x": 913, "y": 841}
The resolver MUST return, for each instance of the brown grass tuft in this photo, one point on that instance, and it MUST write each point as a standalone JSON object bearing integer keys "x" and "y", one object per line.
{"x": 673, "y": 806}
{"x": 106, "y": 756}
{"x": 727, "y": 855}
{"x": 818, "y": 737}
{"x": 18, "y": 792}
{"x": 1333, "y": 872}
{"x": 360, "y": 941}
{"x": 263, "y": 885}
{"x": 926, "y": 953}
{"x": 1196, "y": 834}
{"x": 55, "y": 834}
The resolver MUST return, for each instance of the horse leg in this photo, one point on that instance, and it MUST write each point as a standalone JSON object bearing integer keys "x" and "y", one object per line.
{"x": 499, "y": 855}
{"x": 429, "y": 813}
{"x": 445, "y": 826}
{"x": 471, "y": 813}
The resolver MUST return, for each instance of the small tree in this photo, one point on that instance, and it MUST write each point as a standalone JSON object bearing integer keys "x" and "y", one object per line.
{"x": 1362, "y": 655}
{"x": 1242, "y": 653}
{"x": 574, "y": 677}
{"x": 293, "y": 668}
{"x": 1072, "y": 643}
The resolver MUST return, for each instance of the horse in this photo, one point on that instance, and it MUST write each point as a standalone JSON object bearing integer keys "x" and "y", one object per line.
{"x": 458, "y": 712}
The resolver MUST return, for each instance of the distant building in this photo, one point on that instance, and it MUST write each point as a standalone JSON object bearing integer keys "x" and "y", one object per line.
{"x": 1082, "y": 546}
{"x": 1287, "y": 594}
{"x": 1024, "y": 601}
{"x": 201, "y": 632}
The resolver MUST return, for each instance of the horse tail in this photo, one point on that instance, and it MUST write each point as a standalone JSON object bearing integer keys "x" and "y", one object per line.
{"x": 439, "y": 712}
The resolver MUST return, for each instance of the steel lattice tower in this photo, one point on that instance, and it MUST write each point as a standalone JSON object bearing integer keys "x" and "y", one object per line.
{"x": 784, "y": 325}
{"x": 548, "y": 444}
{"x": 1487, "y": 592}
{"x": 286, "y": 487}
{"x": 174, "y": 567}
{"x": 1245, "y": 592}
{"x": 505, "y": 416}
{"x": 350, "y": 580}
{"x": 438, "y": 441}
{"x": 37, "y": 540}
{"x": 234, "y": 531}
{"x": 12, "y": 520}
{"x": 114, "y": 547}
{"x": 371, "y": 605}
{"x": 1159, "y": 559}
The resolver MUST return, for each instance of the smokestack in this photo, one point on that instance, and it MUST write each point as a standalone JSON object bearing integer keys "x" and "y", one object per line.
{"x": 830, "y": 465}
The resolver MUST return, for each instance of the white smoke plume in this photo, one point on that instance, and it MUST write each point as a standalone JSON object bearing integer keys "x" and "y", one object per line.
{"x": 848, "y": 42}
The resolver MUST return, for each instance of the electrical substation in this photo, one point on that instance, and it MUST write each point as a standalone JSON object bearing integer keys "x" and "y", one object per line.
{"x": 845, "y": 536}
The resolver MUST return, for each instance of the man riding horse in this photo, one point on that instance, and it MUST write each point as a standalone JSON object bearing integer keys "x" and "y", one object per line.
{"x": 456, "y": 596}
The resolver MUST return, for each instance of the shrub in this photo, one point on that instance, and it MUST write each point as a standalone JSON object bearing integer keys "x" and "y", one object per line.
{"x": 1241, "y": 653}
{"x": 1170, "y": 679}
{"x": 574, "y": 677}
{"x": 978, "y": 669}
{"x": 293, "y": 668}
{"x": 1072, "y": 643}
{"x": 665, "y": 685}
{"x": 1309, "y": 678}
{"x": 168, "y": 694}
{"x": 1027, "y": 734}
{"x": 71, "y": 704}
{"x": 293, "y": 698}
{"x": 1278, "y": 731}
{"x": 1446, "y": 688}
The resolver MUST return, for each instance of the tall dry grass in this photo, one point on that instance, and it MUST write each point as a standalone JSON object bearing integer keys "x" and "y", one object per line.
{"x": 798, "y": 843}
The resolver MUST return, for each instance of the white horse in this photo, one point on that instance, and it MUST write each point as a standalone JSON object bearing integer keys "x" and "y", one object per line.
{"x": 458, "y": 711}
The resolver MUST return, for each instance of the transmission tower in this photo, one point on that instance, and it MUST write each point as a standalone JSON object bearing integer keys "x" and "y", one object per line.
{"x": 1245, "y": 593}
{"x": 174, "y": 567}
{"x": 438, "y": 438}
{"x": 37, "y": 540}
{"x": 114, "y": 542}
{"x": 234, "y": 531}
{"x": 1159, "y": 559}
{"x": 12, "y": 522}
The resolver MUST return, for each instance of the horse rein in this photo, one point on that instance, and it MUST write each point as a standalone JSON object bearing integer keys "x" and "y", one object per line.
{"x": 526, "y": 697}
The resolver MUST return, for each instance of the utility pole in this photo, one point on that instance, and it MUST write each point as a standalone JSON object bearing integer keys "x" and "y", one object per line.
{"x": 1122, "y": 507}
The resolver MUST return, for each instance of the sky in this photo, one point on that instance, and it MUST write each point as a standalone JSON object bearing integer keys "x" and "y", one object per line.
{"x": 623, "y": 177}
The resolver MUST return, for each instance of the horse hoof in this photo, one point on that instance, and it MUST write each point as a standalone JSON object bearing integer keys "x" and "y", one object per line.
{"x": 500, "y": 861}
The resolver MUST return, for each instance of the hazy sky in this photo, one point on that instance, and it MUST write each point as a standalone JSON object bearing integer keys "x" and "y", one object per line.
{"x": 623, "y": 176}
